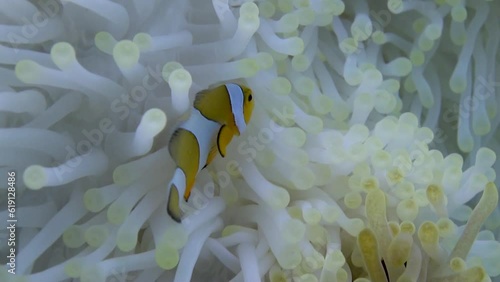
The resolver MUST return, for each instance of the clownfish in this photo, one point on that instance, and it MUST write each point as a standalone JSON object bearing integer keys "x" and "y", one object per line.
{"x": 217, "y": 115}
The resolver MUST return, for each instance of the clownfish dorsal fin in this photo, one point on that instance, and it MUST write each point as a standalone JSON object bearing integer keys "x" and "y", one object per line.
{"x": 214, "y": 105}
{"x": 224, "y": 137}
{"x": 173, "y": 205}
{"x": 224, "y": 105}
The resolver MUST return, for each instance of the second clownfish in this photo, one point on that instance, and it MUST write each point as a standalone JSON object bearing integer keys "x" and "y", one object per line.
{"x": 217, "y": 115}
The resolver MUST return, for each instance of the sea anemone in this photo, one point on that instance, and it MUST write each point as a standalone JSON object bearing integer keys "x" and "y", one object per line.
{"x": 370, "y": 156}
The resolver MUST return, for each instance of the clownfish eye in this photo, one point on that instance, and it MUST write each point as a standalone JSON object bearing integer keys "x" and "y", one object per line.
{"x": 249, "y": 97}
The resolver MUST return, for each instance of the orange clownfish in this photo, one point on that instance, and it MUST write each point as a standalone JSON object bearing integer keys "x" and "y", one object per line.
{"x": 217, "y": 115}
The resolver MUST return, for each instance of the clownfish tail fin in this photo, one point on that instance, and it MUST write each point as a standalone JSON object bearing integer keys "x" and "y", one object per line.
{"x": 173, "y": 205}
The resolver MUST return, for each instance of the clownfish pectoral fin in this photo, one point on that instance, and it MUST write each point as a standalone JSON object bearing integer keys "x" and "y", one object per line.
{"x": 223, "y": 139}
{"x": 173, "y": 207}
{"x": 211, "y": 155}
{"x": 189, "y": 187}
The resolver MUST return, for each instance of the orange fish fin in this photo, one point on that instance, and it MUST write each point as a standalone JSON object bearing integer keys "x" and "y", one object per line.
{"x": 185, "y": 151}
{"x": 215, "y": 105}
{"x": 211, "y": 155}
{"x": 224, "y": 137}
{"x": 200, "y": 97}
{"x": 189, "y": 187}
{"x": 173, "y": 205}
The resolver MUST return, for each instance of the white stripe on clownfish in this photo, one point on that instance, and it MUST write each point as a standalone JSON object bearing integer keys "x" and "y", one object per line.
{"x": 236, "y": 97}
{"x": 204, "y": 130}
{"x": 177, "y": 188}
